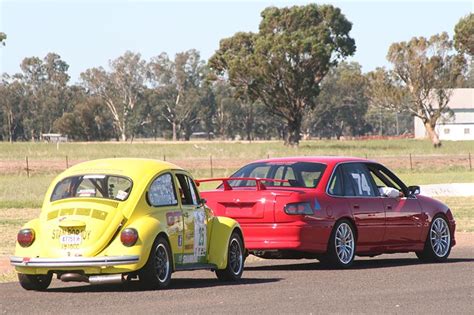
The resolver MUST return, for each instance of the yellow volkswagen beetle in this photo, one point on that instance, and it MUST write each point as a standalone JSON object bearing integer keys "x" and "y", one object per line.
{"x": 114, "y": 220}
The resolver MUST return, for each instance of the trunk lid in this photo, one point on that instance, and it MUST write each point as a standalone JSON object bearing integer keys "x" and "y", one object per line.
{"x": 79, "y": 227}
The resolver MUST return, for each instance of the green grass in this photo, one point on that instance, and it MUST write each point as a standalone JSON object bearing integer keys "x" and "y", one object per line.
{"x": 463, "y": 211}
{"x": 425, "y": 178}
{"x": 225, "y": 149}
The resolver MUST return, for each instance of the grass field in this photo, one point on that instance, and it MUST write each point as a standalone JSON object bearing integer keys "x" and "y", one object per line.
{"x": 223, "y": 149}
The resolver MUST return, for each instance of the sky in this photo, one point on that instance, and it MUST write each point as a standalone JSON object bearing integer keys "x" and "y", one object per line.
{"x": 89, "y": 33}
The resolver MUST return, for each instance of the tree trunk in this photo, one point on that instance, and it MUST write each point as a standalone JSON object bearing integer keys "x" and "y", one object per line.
{"x": 174, "y": 131}
{"x": 293, "y": 128}
{"x": 430, "y": 129}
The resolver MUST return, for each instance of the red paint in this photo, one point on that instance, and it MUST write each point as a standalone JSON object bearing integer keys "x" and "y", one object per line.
{"x": 383, "y": 225}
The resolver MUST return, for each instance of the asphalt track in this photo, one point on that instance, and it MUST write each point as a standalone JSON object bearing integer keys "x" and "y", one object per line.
{"x": 384, "y": 284}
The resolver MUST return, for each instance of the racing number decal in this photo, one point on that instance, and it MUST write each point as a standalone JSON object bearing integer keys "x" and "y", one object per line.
{"x": 200, "y": 233}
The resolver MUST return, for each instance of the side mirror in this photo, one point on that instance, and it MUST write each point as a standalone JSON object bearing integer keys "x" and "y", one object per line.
{"x": 414, "y": 190}
{"x": 203, "y": 202}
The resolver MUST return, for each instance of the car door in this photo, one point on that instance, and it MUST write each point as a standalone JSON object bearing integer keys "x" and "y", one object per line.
{"x": 195, "y": 221}
{"x": 162, "y": 196}
{"x": 404, "y": 215}
{"x": 367, "y": 208}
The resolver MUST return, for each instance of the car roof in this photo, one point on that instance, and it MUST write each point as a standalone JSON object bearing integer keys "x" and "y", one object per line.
{"x": 314, "y": 159}
{"x": 133, "y": 168}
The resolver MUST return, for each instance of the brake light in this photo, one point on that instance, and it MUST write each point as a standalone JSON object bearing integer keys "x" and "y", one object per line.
{"x": 299, "y": 208}
{"x": 25, "y": 237}
{"x": 129, "y": 237}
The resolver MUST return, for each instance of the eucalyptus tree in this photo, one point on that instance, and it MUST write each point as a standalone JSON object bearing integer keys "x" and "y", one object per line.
{"x": 121, "y": 89}
{"x": 283, "y": 64}
{"x": 342, "y": 103}
{"x": 428, "y": 70}
{"x": 48, "y": 96}
{"x": 178, "y": 84}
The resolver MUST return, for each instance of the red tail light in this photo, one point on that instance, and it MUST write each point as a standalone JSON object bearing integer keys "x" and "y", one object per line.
{"x": 129, "y": 237}
{"x": 25, "y": 237}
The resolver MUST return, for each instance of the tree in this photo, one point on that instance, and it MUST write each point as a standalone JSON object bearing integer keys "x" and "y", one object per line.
{"x": 428, "y": 70}
{"x": 342, "y": 103}
{"x": 283, "y": 64}
{"x": 464, "y": 43}
{"x": 387, "y": 103}
{"x": 3, "y": 37}
{"x": 178, "y": 83}
{"x": 464, "y": 35}
{"x": 121, "y": 89}
{"x": 47, "y": 93}
{"x": 13, "y": 96}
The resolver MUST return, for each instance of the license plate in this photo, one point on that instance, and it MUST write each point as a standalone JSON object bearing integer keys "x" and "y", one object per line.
{"x": 71, "y": 239}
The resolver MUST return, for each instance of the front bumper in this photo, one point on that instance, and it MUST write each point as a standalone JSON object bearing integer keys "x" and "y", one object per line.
{"x": 104, "y": 261}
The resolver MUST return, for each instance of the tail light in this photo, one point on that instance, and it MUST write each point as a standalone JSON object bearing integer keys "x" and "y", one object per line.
{"x": 129, "y": 237}
{"x": 25, "y": 237}
{"x": 299, "y": 208}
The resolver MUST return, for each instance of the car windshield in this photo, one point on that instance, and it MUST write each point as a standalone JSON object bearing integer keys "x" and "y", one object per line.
{"x": 296, "y": 174}
{"x": 97, "y": 186}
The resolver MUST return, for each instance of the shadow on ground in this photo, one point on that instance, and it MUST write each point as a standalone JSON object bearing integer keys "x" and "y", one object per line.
{"x": 358, "y": 264}
{"x": 176, "y": 284}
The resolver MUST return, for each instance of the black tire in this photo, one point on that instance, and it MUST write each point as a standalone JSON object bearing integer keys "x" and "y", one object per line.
{"x": 156, "y": 274}
{"x": 341, "y": 252}
{"x": 235, "y": 260}
{"x": 35, "y": 282}
{"x": 438, "y": 241}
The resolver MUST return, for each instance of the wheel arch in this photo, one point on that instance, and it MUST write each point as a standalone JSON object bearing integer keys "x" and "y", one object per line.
{"x": 222, "y": 229}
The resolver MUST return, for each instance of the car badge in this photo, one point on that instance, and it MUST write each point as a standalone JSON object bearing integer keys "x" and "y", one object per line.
{"x": 317, "y": 206}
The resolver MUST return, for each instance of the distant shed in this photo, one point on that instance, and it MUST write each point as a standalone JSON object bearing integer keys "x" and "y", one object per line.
{"x": 53, "y": 137}
{"x": 458, "y": 127}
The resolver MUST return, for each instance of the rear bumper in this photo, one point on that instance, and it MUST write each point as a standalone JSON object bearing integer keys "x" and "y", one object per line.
{"x": 299, "y": 235}
{"x": 104, "y": 261}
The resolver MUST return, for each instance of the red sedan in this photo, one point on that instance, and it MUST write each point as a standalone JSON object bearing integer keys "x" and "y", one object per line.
{"x": 331, "y": 208}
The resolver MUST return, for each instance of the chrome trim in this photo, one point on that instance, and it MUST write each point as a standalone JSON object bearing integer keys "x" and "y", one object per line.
{"x": 73, "y": 261}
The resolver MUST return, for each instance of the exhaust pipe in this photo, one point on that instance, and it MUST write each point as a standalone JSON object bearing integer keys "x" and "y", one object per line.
{"x": 99, "y": 279}
{"x": 106, "y": 279}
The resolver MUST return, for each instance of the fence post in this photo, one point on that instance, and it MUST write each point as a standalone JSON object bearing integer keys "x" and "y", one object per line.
{"x": 164, "y": 157}
{"x": 27, "y": 167}
{"x": 470, "y": 162}
{"x": 268, "y": 155}
{"x": 411, "y": 163}
{"x": 67, "y": 162}
{"x": 212, "y": 171}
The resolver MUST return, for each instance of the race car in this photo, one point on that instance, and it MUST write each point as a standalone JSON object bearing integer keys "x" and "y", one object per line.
{"x": 114, "y": 220}
{"x": 331, "y": 209}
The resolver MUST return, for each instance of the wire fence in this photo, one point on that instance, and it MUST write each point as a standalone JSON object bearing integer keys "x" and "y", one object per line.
{"x": 209, "y": 165}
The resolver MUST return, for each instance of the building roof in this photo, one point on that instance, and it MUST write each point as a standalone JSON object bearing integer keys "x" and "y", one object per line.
{"x": 462, "y": 99}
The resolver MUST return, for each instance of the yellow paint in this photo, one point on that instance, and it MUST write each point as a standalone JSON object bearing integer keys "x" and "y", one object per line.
{"x": 97, "y": 220}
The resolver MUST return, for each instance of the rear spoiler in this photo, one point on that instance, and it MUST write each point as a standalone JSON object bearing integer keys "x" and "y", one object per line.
{"x": 225, "y": 181}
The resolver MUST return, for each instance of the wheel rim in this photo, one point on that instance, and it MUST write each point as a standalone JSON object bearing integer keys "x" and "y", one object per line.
{"x": 344, "y": 243}
{"x": 235, "y": 256}
{"x": 162, "y": 263}
{"x": 440, "y": 237}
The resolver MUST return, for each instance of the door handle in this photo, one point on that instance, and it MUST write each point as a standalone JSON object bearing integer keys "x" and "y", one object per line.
{"x": 389, "y": 207}
{"x": 355, "y": 206}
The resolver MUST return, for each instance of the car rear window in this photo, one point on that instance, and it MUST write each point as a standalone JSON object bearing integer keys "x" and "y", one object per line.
{"x": 93, "y": 185}
{"x": 297, "y": 174}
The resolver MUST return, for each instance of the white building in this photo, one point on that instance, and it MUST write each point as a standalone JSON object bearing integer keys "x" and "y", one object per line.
{"x": 458, "y": 127}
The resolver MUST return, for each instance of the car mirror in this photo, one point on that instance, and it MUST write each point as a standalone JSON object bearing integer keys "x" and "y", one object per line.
{"x": 414, "y": 190}
{"x": 202, "y": 202}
